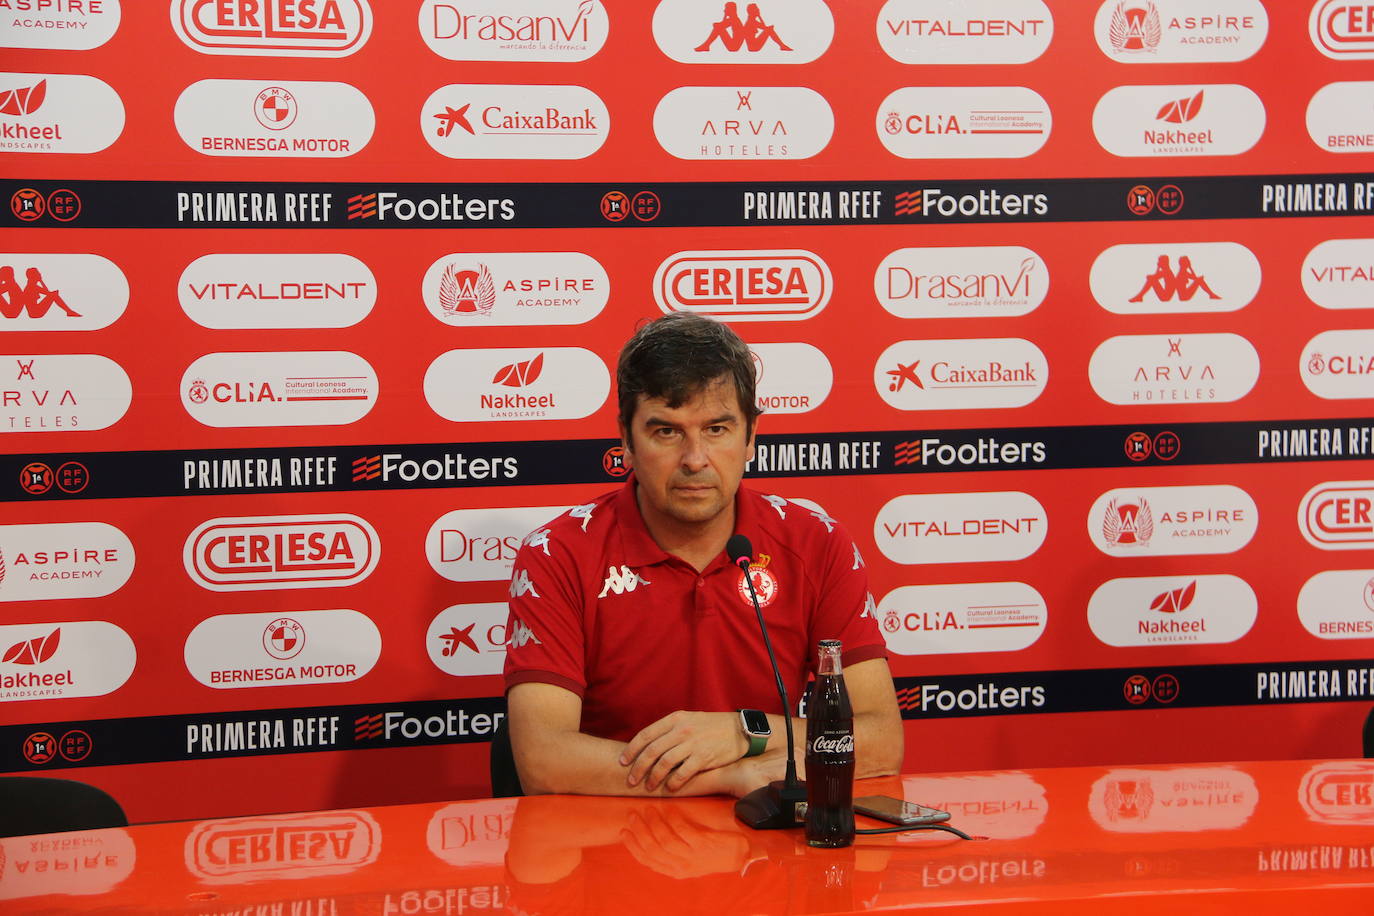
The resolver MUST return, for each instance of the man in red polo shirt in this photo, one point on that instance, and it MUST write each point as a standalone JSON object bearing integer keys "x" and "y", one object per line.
{"x": 635, "y": 664}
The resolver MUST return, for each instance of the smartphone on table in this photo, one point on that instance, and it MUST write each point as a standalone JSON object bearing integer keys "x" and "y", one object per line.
{"x": 898, "y": 811}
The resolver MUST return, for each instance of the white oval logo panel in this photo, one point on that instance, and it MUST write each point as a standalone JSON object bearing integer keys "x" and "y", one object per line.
{"x": 553, "y": 383}
{"x": 67, "y": 560}
{"x": 1172, "y": 277}
{"x": 965, "y": 31}
{"x": 230, "y": 291}
{"x": 479, "y": 545}
{"x": 1172, "y": 521}
{"x": 275, "y": 119}
{"x": 59, "y": 26}
{"x": 1339, "y": 364}
{"x": 58, "y": 113}
{"x": 1164, "y": 799}
{"x": 62, "y": 393}
{"x": 784, "y": 285}
{"x": 963, "y": 122}
{"x": 294, "y": 388}
{"x": 996, "y": 281}
{"x": 469, "y": 639}
{"x": 961, "y": 374}
{"x": 1340, "y": 118}
{"x": 947, "y": 619}
{"x": 791, "y": 377}
{"x": 472, "y": 289}
{"x": 1178, "y": 31}
{"x": 287, "y": 649}
{"x": 1338, "y": 604}
{"x": 282, "y": 551}
{"x": 480, "y": 121}
{"x": 1177, "y": 370}
{"x": 960, "y": 527}
{"x": 1339, "y": 274}
{"x": 61, "y": 292}
{"x": 999, "y": 805}
{"x": 1172, "y": 610}
{"x": 49, "y": 661}
{"x": 1187, "y": 120}
{"x": 1338, "y": 515}
{"x": 523, "y": 30}
{"x": 768, "y": 32}
{"x": 760, "y": 122}
{"x": 273, "y": 28}
{"x": 1341, "y": 30}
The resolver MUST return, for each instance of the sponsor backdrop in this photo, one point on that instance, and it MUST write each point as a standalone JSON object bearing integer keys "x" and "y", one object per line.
{"x": 1064, "y": 310}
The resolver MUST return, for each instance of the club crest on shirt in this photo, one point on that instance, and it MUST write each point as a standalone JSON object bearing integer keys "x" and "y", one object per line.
{"x": 765, "y": 583}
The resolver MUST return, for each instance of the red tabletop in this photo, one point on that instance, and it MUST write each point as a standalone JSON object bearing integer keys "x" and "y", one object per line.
{"x": 1269, "y": 837}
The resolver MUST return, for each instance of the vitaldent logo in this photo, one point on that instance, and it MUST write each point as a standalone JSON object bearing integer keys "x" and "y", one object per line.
{"x": 285, "y": 551}
{"x": 281, "y": 119}
{"x": 498, "y": 289}
{"x": 1175, "y": 31}
{"x": 963, "y": 122}
{"x": 288, "y": 649}
{"x": 1342, "y": 30}
{"x": 1339, "y": 121}
{"x": 295, "y": 388}
{"x": 73, "y": 25}
{"x": 1172, "y": 521}
{"x": 960, "y": 527}
{"x": 770, "y": 32}
{"x": 1338, "y": 365}
{"x": 987, "y": 282}
{"x": 1211, "y": 120}
{"x": 553, "y": 383}
{"x": 949, "y": 619}
{"x": 61, "y": 393}
{"x": 233, "y": 291}
{"x": 1338, "y": 515}
{"x": 515, "y": 30}
{"x": 468, "y": 639}
{"x": 965, "y": 31}
{"x": 1142, "y": 370}
{"x": 1339, "y": 274}
{"x": 1338, "y": 604}
{"x": 479, "y": 545}
{"x": 757, "y": 122}
{"x": 791, "y": 377}
{"x": 960, "y": 374}
{"x": 87, "y": 658}
{"x": 60, "y": 292}
{"x": 273, "y": 28}
{"x": 482, "y": 121}
{"x": 782, "y": 285}
{"x": 1172, "y": 610}
{"x": 57, "y": 113}
{"x": 1175, "y": 277}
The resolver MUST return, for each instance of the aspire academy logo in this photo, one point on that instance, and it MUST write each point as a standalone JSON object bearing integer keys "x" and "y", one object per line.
{"x": 274, "y": 552}
{"x": 782, "y": 285}
{"x": 273, "y": 28}
{"x": 1177, "y": 31}
{"x": 1172, "y": 521}
{"x": 73, "y": 25}
{"x": 515, "y": 288}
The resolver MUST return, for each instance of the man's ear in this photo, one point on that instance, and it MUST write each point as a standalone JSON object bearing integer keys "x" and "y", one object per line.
{"x": 749, "y": 449}
{"x": 628, "y": 458}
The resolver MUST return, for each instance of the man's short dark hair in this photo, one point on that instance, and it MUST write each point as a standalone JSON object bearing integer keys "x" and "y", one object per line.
{"x": 678, "y": 356}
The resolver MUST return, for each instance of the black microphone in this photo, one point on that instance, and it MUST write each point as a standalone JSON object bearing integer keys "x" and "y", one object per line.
{"x": 774, "y": 806}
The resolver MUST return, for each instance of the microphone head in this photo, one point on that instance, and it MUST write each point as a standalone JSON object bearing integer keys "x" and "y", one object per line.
{"x": 738, "y": 548}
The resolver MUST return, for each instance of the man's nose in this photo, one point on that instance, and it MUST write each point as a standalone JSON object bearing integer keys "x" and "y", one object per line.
{"x": 694, "y": 454}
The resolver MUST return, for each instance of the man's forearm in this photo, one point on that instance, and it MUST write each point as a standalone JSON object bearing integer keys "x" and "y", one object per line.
{"x": 581, "y": 764}
{"x": 877, "y": 743}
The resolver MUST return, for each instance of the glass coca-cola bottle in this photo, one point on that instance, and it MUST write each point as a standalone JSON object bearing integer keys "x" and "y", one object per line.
{"x": 829, "y": 754}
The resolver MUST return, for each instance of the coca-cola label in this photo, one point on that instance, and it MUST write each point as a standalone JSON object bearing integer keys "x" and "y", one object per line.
{"x": 832, "y": 744}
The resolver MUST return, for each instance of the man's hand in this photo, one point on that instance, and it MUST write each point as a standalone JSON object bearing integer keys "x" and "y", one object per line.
{"x": 682, "y": 744}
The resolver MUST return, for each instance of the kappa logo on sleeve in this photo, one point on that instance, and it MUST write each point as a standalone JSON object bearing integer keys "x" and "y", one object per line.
{"x": 520, "y": 585}
{"x": 621, "y": 581}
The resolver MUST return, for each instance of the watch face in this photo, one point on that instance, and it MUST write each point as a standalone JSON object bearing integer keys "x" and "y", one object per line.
{"x": 755, "y": 722}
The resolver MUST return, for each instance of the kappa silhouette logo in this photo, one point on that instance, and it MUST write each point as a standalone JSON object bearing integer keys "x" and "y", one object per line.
{"x": 520, "y": 633}
{"x": 1128, "y": 523}
{"x": 750, "y": 34}
{"x": 1135, "y": 28}
{"x": 1168, "y": 284}
{"x": 1175, "y": 599}
{"x": 518, "y": 375}
{"x": 34, "y": 651}
{"x": 467, "y": 291}
{"x": 25, "y": 100}
{"x": 520, "y": 585}
{"x": 583, "y": 512}
{"x": 621, "y": 581}
{"x": 34, "y": 298}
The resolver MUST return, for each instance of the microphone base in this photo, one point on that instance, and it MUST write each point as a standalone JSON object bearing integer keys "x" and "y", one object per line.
{"x": 772, "y": 807}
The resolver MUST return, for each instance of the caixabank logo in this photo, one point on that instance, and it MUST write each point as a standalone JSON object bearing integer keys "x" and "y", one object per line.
{"x": 1178, "y": 32}
{"x": 488, "y": 121}
{"x": 965, "y": 31}
{"x": 469, "y": 639}
{"x": 60, "y": 25}
{"x": 967, "y": 374}
{"x": 556, "y": 31}
{"x": 273, "y": 28}
{"x": 284, "y": 551}
{"x": 274, "y": 119}
{"x": 60, "y": 292}
{"x": 491, "y": 289}
{"x": 57, "y": 113}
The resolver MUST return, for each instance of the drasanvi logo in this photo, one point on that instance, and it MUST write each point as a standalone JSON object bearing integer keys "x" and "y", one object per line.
{"x": 469, "y": 639}
{"x": 302, "y": 290}
{"x": 1339, "y": 274}
{"x": 1172, "y": 610}
{"x": 960, "y": 527}
{"x": 64, "y": 560}
{"x": 47, "y": 661}
{"x": 555, "y": 383}
{"x": 518, "y": 288}
{"x": 963, "y": 122}
{"x": 281, "y": 551}
{"x": 1342, "y": 30}
{"x": 1339, "y": 603}
{"x": 282, "y": 649}
{"x": 767, "y": 32}
{"x": 1000, "y": 806}
{"x": 995, "y": 281}
{"x": 791, "y": 377}
{"x": 1191, "y": 120}
{"x": 1177, "y": 31}
{"x": 58, "y": 26}
{"x": 756, "y": 122}
{"x": 273, "y": 28}
{"x": 969, "y": 374}
{"x": 1173, "y": 799}
{"x": 472, "y": 833}
{"x": 291, "y": 388}
{"x": 60, "y": 292}
{"x": 514, "y": 30}
{"x": 1339, "y": 792}
{"x": 1149, "y": 369}
{"x": 274, "y": 119}
{"x": 1340, "y": 118}
{"x": 57, "y": 113}
{"x": 74, "y": 391}
{"x": 967, "y": 617}
{"x": 483, "y": 121}
{"x": 1171, "y": 277}
{"x": 781, "y": 285}
{"x": 479, "y": 545}
{"x": 965, "y": 31}
{"x": 1172, "y": 521}
{"x": 1338, "y": 515}
{"x": 282, "y": 846}
{"x": 1337, "y": 365}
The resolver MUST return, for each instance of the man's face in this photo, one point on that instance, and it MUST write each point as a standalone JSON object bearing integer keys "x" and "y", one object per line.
{"x": 688, "y": 459}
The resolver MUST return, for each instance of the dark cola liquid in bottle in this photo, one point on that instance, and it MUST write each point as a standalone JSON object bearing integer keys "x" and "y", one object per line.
{"x": 829, "y": 754}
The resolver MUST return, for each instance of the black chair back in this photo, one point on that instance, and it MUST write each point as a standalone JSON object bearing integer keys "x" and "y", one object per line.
{"x": 39, "y": 804}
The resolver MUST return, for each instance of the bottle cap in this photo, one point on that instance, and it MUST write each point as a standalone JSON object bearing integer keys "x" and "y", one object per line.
{"x": 829, "y": 643}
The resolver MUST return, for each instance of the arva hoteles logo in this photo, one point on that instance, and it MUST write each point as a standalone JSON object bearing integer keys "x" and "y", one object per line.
{"x": 486, "y": 121}
{"x": 57, "y": 113}
{"x": 62, "y": 25}
{"x": 60, "y": 292}
{"x": 61, "y": 393}
{"x": 756, "y": 122}
{"x": 515, "y": 288}
{"x": 784, "y": 285}
{"x": 280, "y": 119}
{"x": 766, "y": 32}
{"x": 88, "y": 658}
{"x": 965, "y": 31}
{"x": 1172, "y": 610}
{"x": 289, "y": 551}
{"x": 1177, "y": 31}
{"x": 273, "y": 28}
{"x": 1186, "y": 120}
{"x": 554, "y": 383}
{"x": 515, "y": 30}
{"x": 1152, "y": 369}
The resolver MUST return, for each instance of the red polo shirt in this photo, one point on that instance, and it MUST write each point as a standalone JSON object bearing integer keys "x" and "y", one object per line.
{"x": 598, "y": 608}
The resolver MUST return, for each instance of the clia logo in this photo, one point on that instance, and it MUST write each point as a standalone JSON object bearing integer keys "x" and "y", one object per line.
{"x": 1176, "y": 31}
{"x": 515, "y": 30}
{"x": 965, "y": 31}
{"x": 60, "y": 292}
{"x": 964, "y": 122}
{"x": 1339, "y": 364}
{"x": 288, "y": 388}
{"x": 273, "y": 28}
{"x": 966, "y": 617}
{"x": 1342, "y": 30}
{"x": 767, "y": 32}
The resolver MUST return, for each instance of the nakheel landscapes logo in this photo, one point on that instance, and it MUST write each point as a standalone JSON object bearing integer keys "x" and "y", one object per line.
{"x": 57, "y": 113}
{"x": 1184, "y": 120}
{"x": 87, "y": 658}
{"x": 555, "y": 383}
{"x": 1172, "y": 610}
